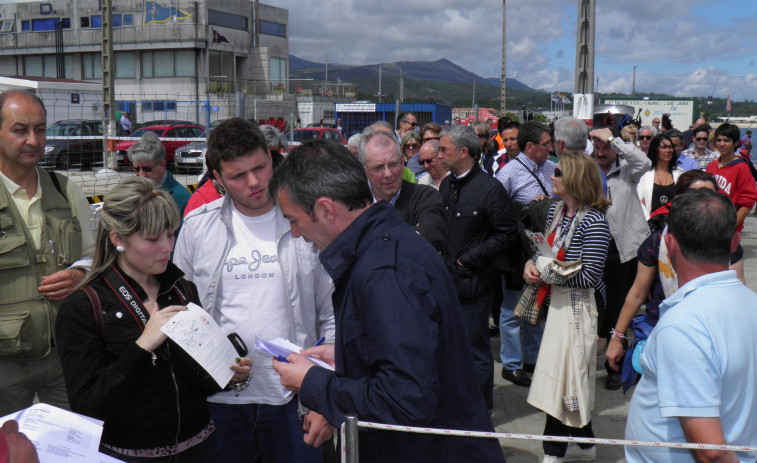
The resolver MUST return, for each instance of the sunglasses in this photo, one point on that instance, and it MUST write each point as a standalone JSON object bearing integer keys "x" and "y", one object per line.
{"x": 412, "y": 146}
{"x": 701, "y": 139}
{"x": 645, "y": 137}
{"x": 145, "y": 169}
{"x": 428, "y": 161}
{"x": 558, "y": 172}
{"x": 412, "y": 124}
{"x": 483, "y": 135}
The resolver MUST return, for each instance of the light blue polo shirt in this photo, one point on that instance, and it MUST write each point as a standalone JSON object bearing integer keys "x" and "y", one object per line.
{"x": 700, "y": 361}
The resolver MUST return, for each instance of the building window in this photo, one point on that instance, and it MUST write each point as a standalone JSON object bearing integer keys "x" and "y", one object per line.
{"x": 91, "y": 66}
{"x": 232, "y": 21}
{"x": 97, "y": 21}
{"x": 168, "y": 63}
{"x": 278, "y": 70}
{"x": 47, "y": 24}
{"x": 26, "y": 25}
{"x": 128, "y": 19}
{"x": 46, "y": 66}
{"x": 84, "y": 21}
{"x": 6, "y": 26}
{"x": 272, "y": 28}
{"x": 126, "y": 65}
{"x": 158, "y": 106}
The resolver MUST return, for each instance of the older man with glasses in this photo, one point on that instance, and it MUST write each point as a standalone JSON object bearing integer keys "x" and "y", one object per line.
{"x": 420, "y": 206}
{"x": 148, "y": 156}
{"x": 406, "y": 122}
{"x": 429, "y": 159}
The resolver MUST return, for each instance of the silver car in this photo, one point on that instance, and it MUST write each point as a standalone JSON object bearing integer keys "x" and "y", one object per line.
{"x": 191, "y": 157}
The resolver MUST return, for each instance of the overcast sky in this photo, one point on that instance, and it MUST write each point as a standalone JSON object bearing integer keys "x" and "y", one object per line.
{"x": 682, "y": 47}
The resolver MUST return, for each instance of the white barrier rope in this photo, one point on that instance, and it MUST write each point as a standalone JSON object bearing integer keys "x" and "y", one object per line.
{"x": 343, "y": 439}
{"x": 576, "y": 440}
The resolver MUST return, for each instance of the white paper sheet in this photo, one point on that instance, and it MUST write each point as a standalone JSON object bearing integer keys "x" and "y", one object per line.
{"x": 201, "y": 337}
{"x": 61, "y": 436}
{"x": 283, "y": 347}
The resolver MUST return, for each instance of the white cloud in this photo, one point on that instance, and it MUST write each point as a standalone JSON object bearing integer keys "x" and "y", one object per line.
{"x": 678, "y": 48}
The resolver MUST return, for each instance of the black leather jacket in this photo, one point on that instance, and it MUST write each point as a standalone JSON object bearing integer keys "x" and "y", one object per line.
{"x": 480, "y": 227}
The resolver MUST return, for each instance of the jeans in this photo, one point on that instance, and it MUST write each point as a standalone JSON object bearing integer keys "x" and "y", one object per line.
{"x": 476, "y": 315}
{"x": 204, "y": 452}
{"x": 519, "y": 340}
{"x": 272, "y": 432}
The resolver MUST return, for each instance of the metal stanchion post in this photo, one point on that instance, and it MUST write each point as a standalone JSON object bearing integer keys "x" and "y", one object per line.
{"x": 350, "y": 441}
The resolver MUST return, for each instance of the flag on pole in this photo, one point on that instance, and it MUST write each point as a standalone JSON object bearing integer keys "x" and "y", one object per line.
{"x": 728, "y": 104}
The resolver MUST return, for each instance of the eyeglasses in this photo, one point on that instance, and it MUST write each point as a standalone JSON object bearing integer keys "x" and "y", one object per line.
{"x": 701, "y": 139}
{"x": 378, "y": 170}
{"x": 429, "y": 139}
{"x": 145, "y": 169}
{"x": 412, "y": 146}
{"x": 546, "y": 144}
{"x": 645, "y": 137}
{"x": 483, "y": 135}
{"x": 558, "y": 172}
{"x": 412, "y": 124}
{"x": 426, "y": 162}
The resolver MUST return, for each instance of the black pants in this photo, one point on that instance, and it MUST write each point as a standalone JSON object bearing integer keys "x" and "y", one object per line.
{"x": 554, "y": 427}
{"x": 619, "y": 278}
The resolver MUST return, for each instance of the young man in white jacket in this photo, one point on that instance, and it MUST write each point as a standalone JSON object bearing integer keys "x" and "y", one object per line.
{"x": 254, "y": 278}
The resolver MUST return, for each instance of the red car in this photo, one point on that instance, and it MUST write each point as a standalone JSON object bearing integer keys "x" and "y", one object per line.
{"x": 299, "y": 136}
{"x": 163, "y": 131}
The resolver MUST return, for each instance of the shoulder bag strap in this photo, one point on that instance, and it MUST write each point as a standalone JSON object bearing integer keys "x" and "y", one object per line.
{"x": 535, "y": 176}
{"x": 97, "y": 309}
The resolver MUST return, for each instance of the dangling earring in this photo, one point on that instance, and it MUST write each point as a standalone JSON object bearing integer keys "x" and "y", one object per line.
{"x": 120, "y": 248}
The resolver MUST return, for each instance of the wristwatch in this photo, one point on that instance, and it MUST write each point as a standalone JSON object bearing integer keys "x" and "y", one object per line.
{"x": 610, "y": 139}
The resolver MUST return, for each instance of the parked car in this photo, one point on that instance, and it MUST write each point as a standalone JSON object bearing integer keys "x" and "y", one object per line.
{"x": 63, "y": 153}
{"x": 191, "y": 157}
{"x": 139, "y": 125}
{"x": 298, "y": 136}
{"x": 163, "y": 131}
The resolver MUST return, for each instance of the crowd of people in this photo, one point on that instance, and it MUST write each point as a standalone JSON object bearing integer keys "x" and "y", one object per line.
{"x": 390, "y": 257}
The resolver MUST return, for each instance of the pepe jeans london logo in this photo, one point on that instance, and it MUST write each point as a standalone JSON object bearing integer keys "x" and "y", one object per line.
{"x": 248, "y": 269}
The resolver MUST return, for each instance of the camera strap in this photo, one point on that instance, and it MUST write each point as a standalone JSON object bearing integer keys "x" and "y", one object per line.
{"x": 126, "y": 294}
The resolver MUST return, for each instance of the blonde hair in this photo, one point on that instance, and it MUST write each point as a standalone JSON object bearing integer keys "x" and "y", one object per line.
{"x": 134, "y": 206}
{"x": 582, "y": 180}
{"x": 629, "y": 134}
{"x": 484, "y": 129}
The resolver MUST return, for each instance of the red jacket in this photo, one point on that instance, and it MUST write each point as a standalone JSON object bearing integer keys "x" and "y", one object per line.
{"x": 735, "y": 180}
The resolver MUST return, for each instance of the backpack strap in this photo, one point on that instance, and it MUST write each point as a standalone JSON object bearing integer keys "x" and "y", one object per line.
{"x": 97, "y": 309}
{"x": 56, "y": 182}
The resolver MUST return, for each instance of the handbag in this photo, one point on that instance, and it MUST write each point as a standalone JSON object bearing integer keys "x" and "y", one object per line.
{"x": 527, "y": 308}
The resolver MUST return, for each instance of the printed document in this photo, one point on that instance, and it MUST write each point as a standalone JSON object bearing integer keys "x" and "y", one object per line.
{"x": 201, "y": 337}
{"x": 61, "y": 436}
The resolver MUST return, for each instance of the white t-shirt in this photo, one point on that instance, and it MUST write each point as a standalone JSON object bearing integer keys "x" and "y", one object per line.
{"x": 253, "y": 299}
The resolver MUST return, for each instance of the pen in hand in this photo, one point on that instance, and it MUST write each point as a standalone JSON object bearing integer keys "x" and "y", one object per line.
{"x": 320, "y": 341}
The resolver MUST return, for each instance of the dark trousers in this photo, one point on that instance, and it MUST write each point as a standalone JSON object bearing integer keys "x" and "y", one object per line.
{"x": 272, "y": 433}
{"x": 619, "y": 278}
{"x": 554, "y": 427}
{"x": 476, "y": 315}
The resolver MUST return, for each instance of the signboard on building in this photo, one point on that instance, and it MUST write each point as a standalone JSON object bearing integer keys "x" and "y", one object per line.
{"x": 356, "y": 107}
{"x": 681, "y": 111}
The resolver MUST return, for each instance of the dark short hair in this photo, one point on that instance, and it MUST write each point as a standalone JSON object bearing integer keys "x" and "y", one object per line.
{"x": 703, "y": 128}
{"x": 232, "y": 139}
{"x": 502, "y": 122}
{"x": 402, "y": 117}
{"x": 654, "y": 150}
{"x": 318, "y": 169}
{"x": 530, "y": 132}
{"x": 508, "y": 126}
{"x": 730, "y": 131}
{"x": 11, "y": 93}
{"x": 684, "y": 182}
{"x": 703, "y": 222}
{"x": 674, "y": 133}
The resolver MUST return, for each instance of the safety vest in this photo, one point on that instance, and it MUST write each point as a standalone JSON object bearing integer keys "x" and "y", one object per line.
{"x": 26, "y": 317}
{"x": 499, "y": 141}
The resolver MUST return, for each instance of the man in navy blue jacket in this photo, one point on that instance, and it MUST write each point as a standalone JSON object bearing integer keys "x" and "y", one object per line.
{"x": 401, "y": 354}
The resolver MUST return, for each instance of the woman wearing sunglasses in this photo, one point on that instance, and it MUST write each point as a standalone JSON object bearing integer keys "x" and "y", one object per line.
{"x": 657, "y": 186}
{"x": 565, "y": 374}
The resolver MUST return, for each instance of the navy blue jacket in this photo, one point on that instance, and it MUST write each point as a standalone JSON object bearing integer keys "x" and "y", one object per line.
{"x": 402, "y": 355}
